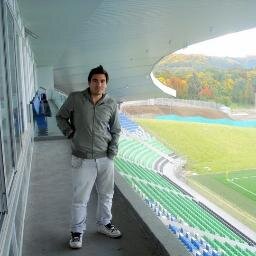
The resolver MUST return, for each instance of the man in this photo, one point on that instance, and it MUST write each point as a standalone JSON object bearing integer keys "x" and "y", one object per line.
{"x": 90, "y": 119}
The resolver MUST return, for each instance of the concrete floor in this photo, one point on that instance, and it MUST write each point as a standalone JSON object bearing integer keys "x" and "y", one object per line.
{"x": 48, "y": 212}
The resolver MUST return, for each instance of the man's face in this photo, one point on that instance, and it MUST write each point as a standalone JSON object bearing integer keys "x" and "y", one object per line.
{"x": 98, "y": 84}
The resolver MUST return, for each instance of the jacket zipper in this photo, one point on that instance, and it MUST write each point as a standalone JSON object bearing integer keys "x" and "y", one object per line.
{"x": 93, "y": 130}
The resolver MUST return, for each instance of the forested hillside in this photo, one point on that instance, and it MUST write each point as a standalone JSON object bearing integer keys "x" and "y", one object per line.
{"x": 221, "y": 79}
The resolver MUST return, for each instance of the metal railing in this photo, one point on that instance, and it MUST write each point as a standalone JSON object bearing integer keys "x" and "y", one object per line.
{"x": 177, "y": 102}
{"x": 58, "y": 97}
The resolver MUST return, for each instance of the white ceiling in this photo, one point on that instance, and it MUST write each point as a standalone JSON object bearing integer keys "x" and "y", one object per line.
{"x": 126, "y": 36}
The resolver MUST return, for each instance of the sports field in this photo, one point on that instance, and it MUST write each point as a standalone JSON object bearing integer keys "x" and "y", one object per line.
{"x": 209, "y": 148}
{"x": 234, "y": 191}
{"x": 221, "y": 162}
{"x": 243, "y": 181}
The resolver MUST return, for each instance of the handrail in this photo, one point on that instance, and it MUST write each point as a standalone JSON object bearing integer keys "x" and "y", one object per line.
{"x": 58, "y": 97}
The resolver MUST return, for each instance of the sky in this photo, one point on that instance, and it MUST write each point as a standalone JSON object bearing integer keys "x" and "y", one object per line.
{"x": 240, "y": 44}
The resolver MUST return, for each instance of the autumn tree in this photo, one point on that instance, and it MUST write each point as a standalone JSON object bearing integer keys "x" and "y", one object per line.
{"x": 194, "y": 87}
{"x": 206, "y": 93}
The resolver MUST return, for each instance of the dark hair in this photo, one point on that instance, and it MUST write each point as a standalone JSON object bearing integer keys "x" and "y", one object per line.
{"x": 98, "y": 70}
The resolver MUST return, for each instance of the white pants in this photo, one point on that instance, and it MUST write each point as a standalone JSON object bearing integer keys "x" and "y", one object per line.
{"x": 86, "y": 172}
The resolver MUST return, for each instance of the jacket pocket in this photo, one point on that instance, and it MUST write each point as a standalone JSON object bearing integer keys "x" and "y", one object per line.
{"x": 76, "y": 162}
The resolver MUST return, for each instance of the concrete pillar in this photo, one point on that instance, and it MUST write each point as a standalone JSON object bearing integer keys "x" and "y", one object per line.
{"x": 45, "y": 79}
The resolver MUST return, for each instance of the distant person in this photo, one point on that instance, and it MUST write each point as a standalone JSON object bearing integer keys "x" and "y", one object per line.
{"x": 90, "y": 118}
{"x": 41, "y": 110}
{"x": 45, "y": 107}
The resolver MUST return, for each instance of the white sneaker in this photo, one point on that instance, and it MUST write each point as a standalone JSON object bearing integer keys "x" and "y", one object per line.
{"x": 76, "y": 240}
{"x": 109, "y": 230}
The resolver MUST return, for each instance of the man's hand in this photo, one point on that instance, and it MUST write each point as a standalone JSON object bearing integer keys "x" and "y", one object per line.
{"x": 70, "y": 134}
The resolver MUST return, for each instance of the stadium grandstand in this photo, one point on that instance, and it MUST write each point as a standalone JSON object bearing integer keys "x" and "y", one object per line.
{"x": 47, "y": 49}
{"x": 202, "y": 231}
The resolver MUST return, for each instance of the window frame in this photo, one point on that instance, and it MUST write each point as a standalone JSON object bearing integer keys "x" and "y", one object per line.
{"x": 6, "y": 15}
{"x": 3, "y": 198}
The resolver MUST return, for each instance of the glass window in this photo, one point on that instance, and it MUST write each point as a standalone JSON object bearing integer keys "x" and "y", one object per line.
{"x": 13, "y": 246}
{"x": 25, "y": 72}
{"x": 2, "y": 183}
{"x": 12, "y": 81}
{"x": 3, "y": 202}
{"x": 5, "y": 115}
{"x": 19, "y": 82}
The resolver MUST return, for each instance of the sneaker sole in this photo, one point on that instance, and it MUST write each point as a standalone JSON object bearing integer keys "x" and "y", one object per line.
{"x": 113, "y": 237}
{"x": 75, "y": 247}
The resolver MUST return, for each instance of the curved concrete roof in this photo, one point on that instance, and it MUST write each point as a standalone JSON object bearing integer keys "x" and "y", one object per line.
{"x": 126, "y": 36}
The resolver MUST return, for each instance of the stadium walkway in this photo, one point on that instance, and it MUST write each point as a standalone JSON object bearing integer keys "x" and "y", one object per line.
{"x": 48, "y": 211}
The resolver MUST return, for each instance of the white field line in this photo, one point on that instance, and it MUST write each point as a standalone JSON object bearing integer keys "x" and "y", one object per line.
{"x": 232, "y": 181}
{"x": 246, "y": 177}
{"x": 239, "y": 211}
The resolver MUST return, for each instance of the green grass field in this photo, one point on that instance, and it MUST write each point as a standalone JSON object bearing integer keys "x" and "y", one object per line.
{"x": 207, "y": 147}
{"x": 238, "y": 187}
{"x": 223, "y": 159}
{"x": 243, "y": 181}
{"x": 235, "y": 192}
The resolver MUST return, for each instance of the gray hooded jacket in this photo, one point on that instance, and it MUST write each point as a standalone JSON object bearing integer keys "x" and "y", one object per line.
{"x": 94, "y": 129}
